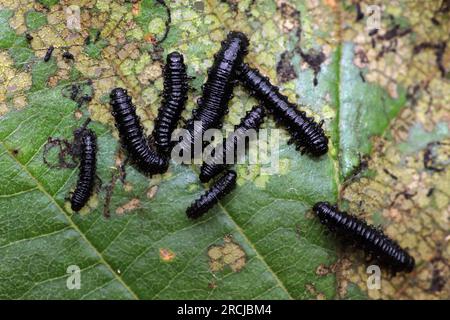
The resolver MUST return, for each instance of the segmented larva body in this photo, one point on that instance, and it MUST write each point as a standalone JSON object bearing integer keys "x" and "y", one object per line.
{"x": 367, "y": 237}
{"x": 174, "y": 100}
{"x": 86, "y": 177}
{"x": 222, "y": 187}
{"x": 217, "y": 90}
{"x": 252, "y": 120}
{"x": 305, "y": 132}
{"x": 132, "y": 135}
{"x": 48, "y": 53}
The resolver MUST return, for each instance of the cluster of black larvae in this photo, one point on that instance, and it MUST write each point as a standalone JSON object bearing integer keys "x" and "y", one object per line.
{"x": 227, "y": 70}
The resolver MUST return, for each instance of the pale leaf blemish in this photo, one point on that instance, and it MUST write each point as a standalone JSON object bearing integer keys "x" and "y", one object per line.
{"x": 151, "y": 192}
{"x": 313, "y": 291}
{"x": 322, "y": 270}
{"x": 127, "y": 187}
{"x": 128, "y": 207}
{"x": 261, "y": 181}
{"x": 229, "y": 254}
{"x": 166, "y": 255}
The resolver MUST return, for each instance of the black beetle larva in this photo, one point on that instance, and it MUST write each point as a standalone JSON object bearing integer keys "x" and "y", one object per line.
{"x": 132, "y": 134}
{"x": 67, "y": 55}
{"x": 29, "y": 37}
{"x": 365, "y": 236}
{"x": 307, "y": 134}
{"x": 217, "y": 90}
{"x": 86, "y": 140}
{"x": 174, "y": 99}
{"x": 252, "y": 120}
{"x": 207, "y": 200}
{"x": 49, "y": 52}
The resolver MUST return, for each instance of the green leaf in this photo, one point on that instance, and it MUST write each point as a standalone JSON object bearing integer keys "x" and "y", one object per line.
{"x": 41, "y": 72}
{"x": 35, "y": 20}
{"x": 17, "y": 44}
{"x": 7, "y": 35}
{"x": 94, "y": 50}
{"x": 365, "y": 110}
{"x": 419, "y": 138}
{"x": 48, "y": 3}
{"x": 355, "y": 293}
{"x": 260, "y": 242}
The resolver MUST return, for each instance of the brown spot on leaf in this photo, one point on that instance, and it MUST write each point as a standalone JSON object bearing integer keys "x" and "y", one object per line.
{"x": 312, "y": 289}
{"x": 78, "y": 114}
{"x": 322, "y": 270}
{"x": 150, "y": 38}
{"x": 290, "y": 16}
{"x": 136, "y": 8}
{"x": 53, "y": 81}
{"x": 229, "y": 254}
{"x": 151, "y": 192}
{"x": 331, "y": 3}
{"x": 129, "y": 206}
{"x": 119, "y": 174}
{"x": 166, "y": 255}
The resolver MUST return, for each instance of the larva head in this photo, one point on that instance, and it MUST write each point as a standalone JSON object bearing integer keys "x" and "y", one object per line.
{"x": 84, "y": 135}
{"x": 323, "y": 210}
{"x": 238, "y": 36}
{"x": 119, "y": 97}
{"x": 118, "y": 93}
{"x": 235, "y": 46}
{"x": 89, "y": 137}
{"x": 319, "y": 146}
{"x": 175, "y": 57}
{"x": 232, "y": 176}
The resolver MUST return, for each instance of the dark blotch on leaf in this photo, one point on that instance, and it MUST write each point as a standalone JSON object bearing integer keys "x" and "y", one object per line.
{"x": 314, "y": 60}
{"x": 285, "y": 70}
